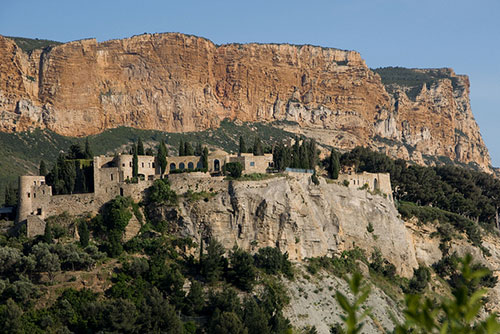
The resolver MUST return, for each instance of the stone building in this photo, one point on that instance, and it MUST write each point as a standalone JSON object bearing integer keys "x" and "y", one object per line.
{"x": 372, "y": 181}
{"x": 112, "y": 177}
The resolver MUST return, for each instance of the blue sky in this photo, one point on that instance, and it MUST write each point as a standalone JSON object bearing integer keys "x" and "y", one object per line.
{"x": 463, "y": 35}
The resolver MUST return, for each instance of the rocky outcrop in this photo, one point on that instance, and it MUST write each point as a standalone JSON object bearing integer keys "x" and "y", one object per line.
{"x": 175, "y": 82}
{"x": 299, "y": 217}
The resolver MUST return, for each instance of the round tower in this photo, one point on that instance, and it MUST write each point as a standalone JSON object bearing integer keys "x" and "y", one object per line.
{"x": 27, "y": 184}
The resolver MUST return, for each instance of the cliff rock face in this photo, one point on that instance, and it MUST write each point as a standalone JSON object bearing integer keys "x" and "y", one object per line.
{"x": 299, "y": 217}
{"x": 175, "y": 82}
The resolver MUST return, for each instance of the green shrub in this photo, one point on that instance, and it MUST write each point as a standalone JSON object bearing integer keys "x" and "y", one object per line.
{"x": 160, "y": 193}
{"x": 233, "y": 169}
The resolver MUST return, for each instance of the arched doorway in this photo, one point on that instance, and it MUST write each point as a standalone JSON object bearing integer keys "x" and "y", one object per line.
{"x": 190, "y": 165}
{"x": 216, "y": 165}
{"x": 172, "y": 166}
{"x": 182, "y": 166}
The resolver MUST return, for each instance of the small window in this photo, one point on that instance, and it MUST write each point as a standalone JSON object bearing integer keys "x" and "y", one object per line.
{"x": 130, "y": 164}
{"x": 153, "y": 165}
{"x": 143, "y": 165}
{"x": 252, "y": 163}
{"x": 39, "y": 211}
{"x": 34, "y": 195}
{"x": 123, "y": 164}
{"x": 34, "y": 182}
{"x": 111, "y": 175}
{"x": 29, "y": 195}
{"x": 43, "y": 192}
{"x": 42, "y": 182}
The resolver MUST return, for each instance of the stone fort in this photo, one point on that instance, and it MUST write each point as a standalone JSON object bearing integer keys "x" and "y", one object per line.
{"x": 112, "y": 177}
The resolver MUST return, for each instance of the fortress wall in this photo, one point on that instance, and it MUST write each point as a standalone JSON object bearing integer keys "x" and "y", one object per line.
{"x": 197, "y": 182}
{"x": 380, "y": 181}
{"x": 75, "y": 204}
{"x": 135, "y": 190}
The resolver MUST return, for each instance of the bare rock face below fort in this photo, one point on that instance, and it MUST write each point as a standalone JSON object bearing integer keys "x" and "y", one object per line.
{"x": 176, "y": 83}
{"x": 297, "y": 216}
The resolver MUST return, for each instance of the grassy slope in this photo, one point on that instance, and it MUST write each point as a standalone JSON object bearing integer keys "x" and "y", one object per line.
{"x": 30, "y": 44}
{"x": 20, "y": 153}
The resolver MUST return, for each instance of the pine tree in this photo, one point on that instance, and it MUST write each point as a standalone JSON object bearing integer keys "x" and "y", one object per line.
{"x": 242, "y": 148}
{"x": 140, "y": 147}
{"x": 88, "y": 152}
{"x": 181, "y": 148}
{"x": 162, "y": 157}
{"x": 43, "y": 168}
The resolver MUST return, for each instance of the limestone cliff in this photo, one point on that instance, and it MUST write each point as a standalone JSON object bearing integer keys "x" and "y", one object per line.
{"x": 175, "y": 82}
{"x": 299, "y": 217}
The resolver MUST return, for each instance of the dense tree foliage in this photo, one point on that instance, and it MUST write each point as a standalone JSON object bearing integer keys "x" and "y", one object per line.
{"x": 72, "y": 172}
{"x": 162, "y": 156}
{"x": 304, "y": 156}
{"x": 140, "y": 147}
{"x": 463, "y": 191}
{"x": 242, "y": 147}
{"x": 233, "y": 169}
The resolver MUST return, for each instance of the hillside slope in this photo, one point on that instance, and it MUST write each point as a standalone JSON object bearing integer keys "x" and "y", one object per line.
{"x": 176, "y": 83}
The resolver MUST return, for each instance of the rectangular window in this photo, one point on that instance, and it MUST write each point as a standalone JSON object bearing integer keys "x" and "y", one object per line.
{"x": 39, "y": 211}
{"x": 153, "y": 165}
{"x": 34, "y": 195}
{"x": 143, "y": 165}
{"x": 252, "y": 163}
{"x": 29, "y": 195}
{"x": 123, "y": 165}
{"x": 130, "y": 164}
{"x": 111, "y": 175}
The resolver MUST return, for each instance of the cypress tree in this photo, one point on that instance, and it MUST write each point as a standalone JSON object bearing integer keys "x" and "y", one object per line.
{"x": 10, "y": 196}
{"x": 83, "y": 231}
{"x": 295, "y": 163}
{"x": 257, "y": 147}
{"x": 334, "y": 165}
{"x": 198, "y": 151}
{"x": 204, "y": 158}
{"x": 242, "y": 148}
{"x": 181, "y": 148}
{"x": 43, "y": 168}
{"x": 135, "y": 163}
{"x": 88, "y": 152}
{"x": 162, "y": 156}
{"x": 312, "y": 154}
{"x": 140, "y": 147}
{"x": 188, "y": 149}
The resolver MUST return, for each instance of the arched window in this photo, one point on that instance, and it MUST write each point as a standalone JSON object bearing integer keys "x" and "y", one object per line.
{"x": 375, "y": 184}
{"x": 190, "y": 165}
{"x": 216, "y": 165}
{"x": 199, "y": 165}
{"x": 182, "y": 166}
{"x": 172, "y": 166}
